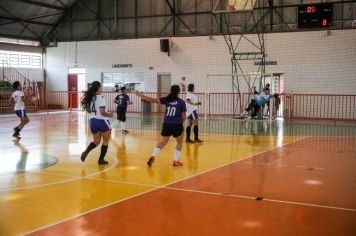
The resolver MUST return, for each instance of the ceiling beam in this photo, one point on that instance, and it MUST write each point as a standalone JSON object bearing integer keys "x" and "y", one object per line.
{"x": 16, "y": 20}
{"x": 22, "y": 23}
{"x": 67, "y": 14}
{"x": 41, "y": 4}
{"x": 15, "y": 36}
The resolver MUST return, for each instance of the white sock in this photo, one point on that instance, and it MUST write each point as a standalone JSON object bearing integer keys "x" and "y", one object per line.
{"x": 156, "y": 151}
{"x": 176, "y": 155}
{"x": 123, "y": 125}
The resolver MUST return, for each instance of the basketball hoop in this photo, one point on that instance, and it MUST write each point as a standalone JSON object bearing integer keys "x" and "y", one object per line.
{"x": 231, "y": 5}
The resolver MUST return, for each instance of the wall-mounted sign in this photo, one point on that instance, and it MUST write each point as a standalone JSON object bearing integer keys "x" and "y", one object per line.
{"x": 266, "y": 63}
{"x": 121, "y": 65}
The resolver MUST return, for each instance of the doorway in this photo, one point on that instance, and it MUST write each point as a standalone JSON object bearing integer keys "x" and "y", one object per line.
{"x": 76, "y": 83}
{"x": 72, "y": 91}
{"x": 163, "y": 86}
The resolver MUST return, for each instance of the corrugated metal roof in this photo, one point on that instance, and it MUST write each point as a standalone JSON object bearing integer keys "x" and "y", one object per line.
{"x": 30, "y": 19}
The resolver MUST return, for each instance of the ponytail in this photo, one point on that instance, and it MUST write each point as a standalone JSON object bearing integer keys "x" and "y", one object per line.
{"x": 173, "y": 95}
{"x": 89, "y": 95}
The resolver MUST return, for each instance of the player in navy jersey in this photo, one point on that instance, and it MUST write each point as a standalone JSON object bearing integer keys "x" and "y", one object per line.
{"x": 122, "y": 100}
{"x": 94, "y": 103}
{"x": 18, "y": 99}
{"x": 174, "y": 118}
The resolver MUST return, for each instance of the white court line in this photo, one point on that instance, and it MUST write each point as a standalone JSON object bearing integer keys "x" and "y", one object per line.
{"x": 264, "y": 199}
{"x": 254, "y": 163}
{"x": 116, "y": 162}
{"x": 148, "y": 191}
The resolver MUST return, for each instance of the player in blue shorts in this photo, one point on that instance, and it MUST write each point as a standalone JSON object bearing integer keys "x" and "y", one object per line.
{"x": 192, "y": 115}
{"x": 18, "y": 99}
{"x": 122, "y": 100}
{"x": 94, "y": 103}
{"x": 174, "y": 118}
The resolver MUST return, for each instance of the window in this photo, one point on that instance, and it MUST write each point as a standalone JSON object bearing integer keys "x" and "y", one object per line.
{"x": 20, "y": 59}
{"x": 131, "y": 80}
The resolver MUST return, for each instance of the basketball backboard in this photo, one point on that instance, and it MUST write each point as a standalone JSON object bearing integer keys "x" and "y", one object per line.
{"x": 231, "y": 6}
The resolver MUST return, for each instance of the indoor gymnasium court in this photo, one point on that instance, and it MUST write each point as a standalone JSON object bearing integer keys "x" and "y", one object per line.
{"x": 177, "y": 117}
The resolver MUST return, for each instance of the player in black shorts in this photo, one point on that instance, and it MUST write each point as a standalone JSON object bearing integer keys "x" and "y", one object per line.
{"x": 122, "y": 100}
{"x": 174, "y": 118}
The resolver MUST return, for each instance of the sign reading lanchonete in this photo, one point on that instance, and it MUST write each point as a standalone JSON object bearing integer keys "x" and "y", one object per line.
{"x": 266, "y": 63}
{"x": 121, "y": 65}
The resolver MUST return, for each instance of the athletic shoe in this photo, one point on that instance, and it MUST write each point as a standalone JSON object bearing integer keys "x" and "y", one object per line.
{"x": 177, "y": 163}
{"x": 16, "y": 135}
{"x": 103, "y": 162}
{"x": 198, "y": 140}
{"x": 151, "y": 160}
{"x": 83, "y": 156}
{"x": 189, "y": 141}
{"x": 125, "y": 131}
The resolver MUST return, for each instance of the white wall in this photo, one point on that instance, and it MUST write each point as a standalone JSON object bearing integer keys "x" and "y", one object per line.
{"x": 33, "y": 74}
{"x": 312, "y": 61}
{"x": 36, "y": 74}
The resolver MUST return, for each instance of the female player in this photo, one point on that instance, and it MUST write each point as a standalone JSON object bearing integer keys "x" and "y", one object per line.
{"x": 17, "y": 98}
{"x": 122, "y": 100}
{"x": 174, "y": 118}
{"x": 94, "y": 103}
{"x": 192, "y": 106}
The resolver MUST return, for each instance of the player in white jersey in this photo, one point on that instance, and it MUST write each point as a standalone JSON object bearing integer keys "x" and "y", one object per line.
{"x": 192, "y": 115}
{"x": 94, "y": 103}
{"x": 18, "y": 99}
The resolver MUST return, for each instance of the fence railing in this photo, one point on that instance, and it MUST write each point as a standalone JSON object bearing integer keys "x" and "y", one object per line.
{"x": 10, "y": 74}
{"x": 292, "y": 106}
{"x": 7, "y": 107}
{"x": 323, "y": 106}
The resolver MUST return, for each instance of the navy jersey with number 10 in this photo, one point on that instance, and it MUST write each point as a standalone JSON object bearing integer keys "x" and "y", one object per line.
{"x": 174, "y": 110}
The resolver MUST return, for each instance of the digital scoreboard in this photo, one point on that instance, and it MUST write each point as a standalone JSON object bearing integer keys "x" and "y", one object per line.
{"x": 315, "y": 16}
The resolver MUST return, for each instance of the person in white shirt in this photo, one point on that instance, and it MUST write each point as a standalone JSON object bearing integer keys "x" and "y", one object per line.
{"x": 192, "y": 115}
{"x": 18, "y": 99}
{"x": 94, "y": 103}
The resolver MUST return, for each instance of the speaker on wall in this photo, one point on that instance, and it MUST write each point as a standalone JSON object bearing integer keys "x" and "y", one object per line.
{"x": 164, "y": 45}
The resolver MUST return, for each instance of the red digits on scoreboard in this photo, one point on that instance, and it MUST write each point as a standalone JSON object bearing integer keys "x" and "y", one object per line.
{"x": 324, "y": 22}
{"x": 311, "y": 9}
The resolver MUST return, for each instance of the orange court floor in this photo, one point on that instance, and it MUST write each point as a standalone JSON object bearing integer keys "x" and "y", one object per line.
{"x": 254, "y": 177}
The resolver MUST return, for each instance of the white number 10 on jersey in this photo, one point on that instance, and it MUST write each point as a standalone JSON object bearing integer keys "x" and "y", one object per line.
{"x": 171, "y": 111}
